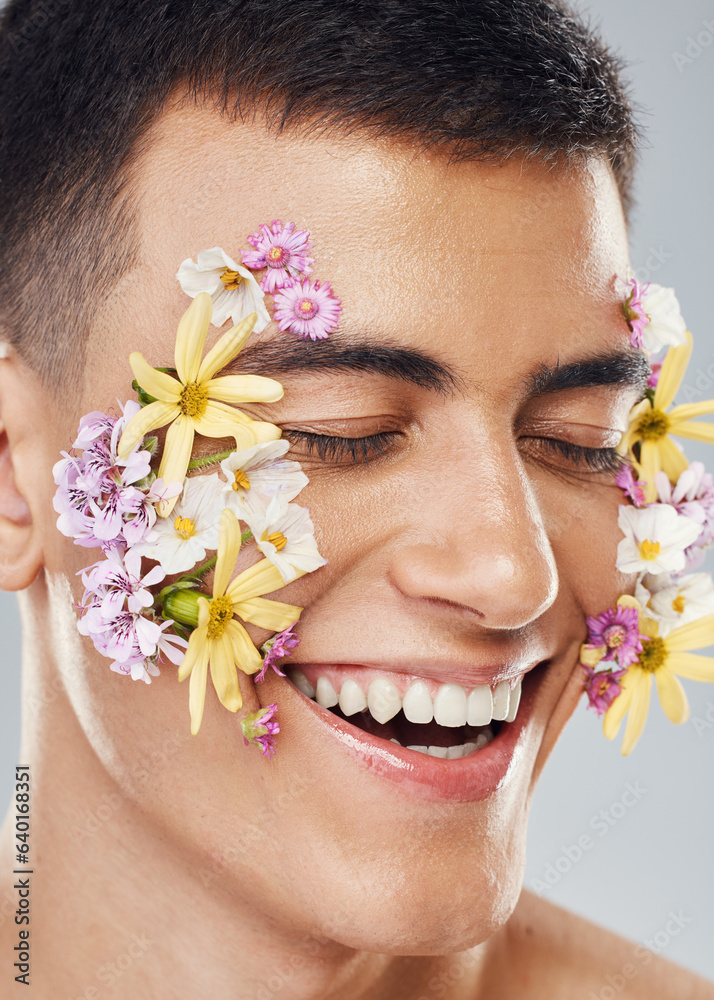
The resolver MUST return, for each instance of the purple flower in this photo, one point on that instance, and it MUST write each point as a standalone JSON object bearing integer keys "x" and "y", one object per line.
{"x": 118, "y": 582}
{"x": 259, "y": 729}
{"x": 307, "y": 309}
{"x": 281, "y": 645}
{"x": 616, "y": 629}
{"x": 602, "y": 687}
{"x": 633, "y": 488}
{"x": 693, "y": 497}
{"x": 656, "y": 368}
{"x": 634, "y": 311}
{"x": 283, "y": 251}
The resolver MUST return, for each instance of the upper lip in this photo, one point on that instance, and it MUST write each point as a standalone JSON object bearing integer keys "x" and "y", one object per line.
{"x": 468, "y": 674}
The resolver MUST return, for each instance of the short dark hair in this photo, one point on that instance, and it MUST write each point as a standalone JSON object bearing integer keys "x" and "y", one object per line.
{"x": 82, "y": 81}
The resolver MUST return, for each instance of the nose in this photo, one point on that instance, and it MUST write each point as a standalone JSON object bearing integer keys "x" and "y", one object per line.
{"x": 477, "y": 540}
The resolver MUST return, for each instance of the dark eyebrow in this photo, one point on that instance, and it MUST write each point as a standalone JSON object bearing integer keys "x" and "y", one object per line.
{"x": 627, "y": 368}
{"x": 276, "y": 358}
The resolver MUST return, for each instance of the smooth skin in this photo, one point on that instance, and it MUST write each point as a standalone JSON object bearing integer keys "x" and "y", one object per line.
{"x": 469, "y": 537}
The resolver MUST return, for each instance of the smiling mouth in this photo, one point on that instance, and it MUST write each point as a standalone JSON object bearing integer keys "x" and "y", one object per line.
{"x": 448, "y": 721}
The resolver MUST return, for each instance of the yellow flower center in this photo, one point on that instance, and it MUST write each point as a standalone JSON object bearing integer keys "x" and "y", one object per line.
{"x": 220, "y": 612}
{"x": 241, "y": 481}
{"x": 184, "y": 527}
{"x": 276, "y": 254}
{"x": 194, "y": 399}
{"x": 653, "y": 425}
{"x": 277, "y": 538}
{"x": 653, "y": 656}
{"x": 231, "y": 279}
{"x": 648, "y": 550}
{"x": 678, "y": 603}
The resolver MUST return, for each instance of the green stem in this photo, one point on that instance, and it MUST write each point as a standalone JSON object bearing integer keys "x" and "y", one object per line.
{"x": 205, "y": 461}
{"x": 246, "y": 536}
{"x": 202, "y": 570}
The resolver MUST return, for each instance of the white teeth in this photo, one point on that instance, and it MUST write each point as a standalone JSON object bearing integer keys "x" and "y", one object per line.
{"x": 383, "y": 699}
{"x": 455, "y": 753}
{"x": 325, "y": 694}
{"x": 513, "y": 702}
{"x": 438, "y": 751}
{"x": 420, "y": 749}
{"x": 352, "y": 697}
{"x": 395, "y": 741}
{"x": 417, "y": 704}
{"x": 302, "y": 683}
{"x": 450, "y": 705}
{"x": 479, "y": 706}
{"x": 500, "y": 701}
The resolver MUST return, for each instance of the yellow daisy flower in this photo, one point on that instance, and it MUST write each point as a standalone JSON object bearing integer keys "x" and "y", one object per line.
{"x": 666, "y": 659}
{"x": 651, "y": 423}
{"x": 196, "y": 402}
{"x": 220, "y": 640}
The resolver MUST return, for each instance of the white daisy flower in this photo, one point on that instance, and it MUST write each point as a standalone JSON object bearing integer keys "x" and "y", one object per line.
{"x": 666, "y": 327}
{"x": 261, "y": 472}
{"x": 284, "y": 534}
{"x": 180, "y": 541}
{"x": 655, "y": 539}
{"x": 675, "y": 601}
{"x": 232, "y": 287}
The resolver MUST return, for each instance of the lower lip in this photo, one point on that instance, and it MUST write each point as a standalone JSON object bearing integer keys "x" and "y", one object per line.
{"x": 467, "y": 779}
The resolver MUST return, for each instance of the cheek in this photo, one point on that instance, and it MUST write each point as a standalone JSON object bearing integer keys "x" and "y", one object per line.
{"x": 584, "y": 533}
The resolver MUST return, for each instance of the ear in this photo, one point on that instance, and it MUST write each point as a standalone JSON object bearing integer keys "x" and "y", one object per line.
{"x": 21, "y": 555}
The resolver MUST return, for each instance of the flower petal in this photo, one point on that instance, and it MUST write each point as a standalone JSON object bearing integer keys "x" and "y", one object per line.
{"x": 672, "y": 373}
{"x": 149, "y": 418}
{"x": 672, "y": 696}
{"x": 191, "y": 337}
{"x": 638, "y": 711}
{"x": 273, "y": 615}
{"x": 175, "y": 459}
{"x": 156, "y": 383}
{"x": 260, "y": 578}
{"x": 197, "y": 688}
{"x": 693, "y": 667}
{"x": 224, "y": 675}
{"x": 228, "y": 548}
{"x": 225, "y": 349}
{"x": 688, "y": 411}
{"x": 695, "y": 430}
{"x": 672, "y": 458}
{"x": 650, "y": 465}
{"x": 196, "y": 644}
{"x": 244, "y": 389}
{"x": 245, "y": 656}
{"x": 618, "y": 709}
{"x": 697, "y": 635}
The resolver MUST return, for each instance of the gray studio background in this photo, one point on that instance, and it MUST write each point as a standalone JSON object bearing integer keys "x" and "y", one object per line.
{"x": 626, "y": 842}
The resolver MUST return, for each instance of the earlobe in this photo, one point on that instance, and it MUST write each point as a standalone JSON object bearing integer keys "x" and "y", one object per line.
{"x": 20, "y": 547}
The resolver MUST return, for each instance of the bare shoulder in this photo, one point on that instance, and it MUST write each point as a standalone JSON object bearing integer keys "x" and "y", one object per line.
{"x": 563, "y": 953}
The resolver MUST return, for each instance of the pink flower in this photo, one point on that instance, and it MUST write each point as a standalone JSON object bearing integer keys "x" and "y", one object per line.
{"x": 259, "y": 729}
{"x": 616, "y": 629}
{"x": 282, "y": 645}
{"x": 118, "y": 582}
{"x": 602, "y": 687}
{"x": 307, "y": 309}
{"x": 634, "y": 311}
{"x": 283, "y": 251}
{"x": 693, "y": 497}
{"x": 656, "y": 368}
{"x": 632, "y": 488}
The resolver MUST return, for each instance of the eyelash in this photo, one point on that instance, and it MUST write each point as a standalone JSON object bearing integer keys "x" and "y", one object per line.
{"x": 595, "y": 459}
{"x": 362, "y": 450}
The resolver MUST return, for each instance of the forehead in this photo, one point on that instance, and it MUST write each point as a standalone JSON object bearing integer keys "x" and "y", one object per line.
{"x": 446, "y": 255}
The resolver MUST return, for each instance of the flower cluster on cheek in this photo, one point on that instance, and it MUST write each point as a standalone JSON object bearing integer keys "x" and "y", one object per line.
{"x": 667, "y": 523}
{"x": 119, "y": 492}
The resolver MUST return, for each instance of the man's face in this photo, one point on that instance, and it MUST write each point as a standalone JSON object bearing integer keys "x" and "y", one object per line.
{"x": 467, "y": 534}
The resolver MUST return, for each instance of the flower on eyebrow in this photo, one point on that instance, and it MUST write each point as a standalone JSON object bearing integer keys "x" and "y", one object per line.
{"x": 221, "y": 642}
{"x": 283, "y": 251}
{"x": 666, "y": 659}
{"x": 233, "y": 289}
{"x": 196, "y": 401}
{"x": 651, "y": 423}
{"x": 307, "y": 309}
{"x": 653, "y": 316}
